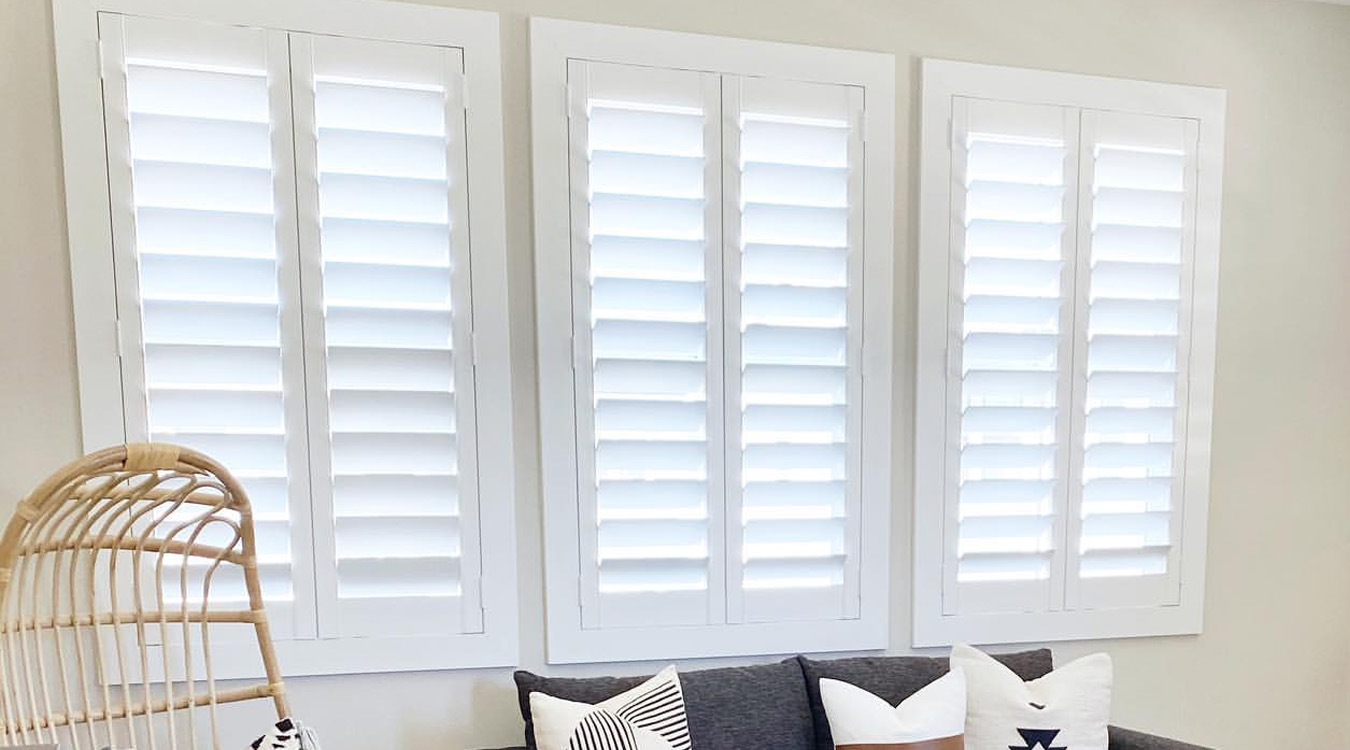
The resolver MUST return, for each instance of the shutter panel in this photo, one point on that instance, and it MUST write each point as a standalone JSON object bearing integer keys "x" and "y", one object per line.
{"x": 1013, "y": 168}
{"x": 381, "y": 159}
{"x": 198, "y": 143}
{"x": 793, "y": 249}
{"x": 1135, "y": 248}
{"x": 646, "y": 255}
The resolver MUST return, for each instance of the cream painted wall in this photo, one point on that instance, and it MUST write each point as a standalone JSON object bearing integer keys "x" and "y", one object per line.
{"x": 1273, "y": 666}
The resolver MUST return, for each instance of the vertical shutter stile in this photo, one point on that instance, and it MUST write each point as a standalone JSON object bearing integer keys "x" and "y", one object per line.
{"x": 197, "y": 120}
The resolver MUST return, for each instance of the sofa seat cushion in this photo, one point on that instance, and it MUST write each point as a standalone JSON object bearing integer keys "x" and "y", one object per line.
{"x": 733, "y": 708}
{"x": 895, "y": 678}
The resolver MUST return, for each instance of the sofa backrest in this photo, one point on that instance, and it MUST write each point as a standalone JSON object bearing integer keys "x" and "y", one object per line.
{"x": 769, "y": 705}
{"x": 895, "y": 678}
{"x": 733, "y": 708}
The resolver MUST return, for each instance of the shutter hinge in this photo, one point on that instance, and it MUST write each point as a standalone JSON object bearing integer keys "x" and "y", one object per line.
{"x": 463, "y": 91}
{"x": 473, "y": 349}
{"x": 568, "y": 98}
{"x": 118, "y": 348}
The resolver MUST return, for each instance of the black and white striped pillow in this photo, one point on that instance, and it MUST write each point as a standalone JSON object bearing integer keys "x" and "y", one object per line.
{"x": 651, "y": 716}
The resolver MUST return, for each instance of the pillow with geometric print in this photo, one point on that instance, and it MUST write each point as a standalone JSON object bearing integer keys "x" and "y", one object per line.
{"x": 651, "y": 716}
{"x": 1068, "y": 709}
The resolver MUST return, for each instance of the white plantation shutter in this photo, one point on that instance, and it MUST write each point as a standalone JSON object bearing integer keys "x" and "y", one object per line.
{"x": 205, "y": 251}
{"x": 716, "y": 336}
{"x": 1010, "y": 351}
{"x": 1137, "y": 266}
{"x": 793, "y": 323}
{"x": 291, "y": 239}
{"x": 645, "y": 166}
{"x": 386, "y": 247}
{"x": 1068, "y": 237}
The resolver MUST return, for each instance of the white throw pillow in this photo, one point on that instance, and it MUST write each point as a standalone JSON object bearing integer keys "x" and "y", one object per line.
{"x": 1068, "y": 709}
{"x": 651, "y": 716}
{"x": 931, "y": 719}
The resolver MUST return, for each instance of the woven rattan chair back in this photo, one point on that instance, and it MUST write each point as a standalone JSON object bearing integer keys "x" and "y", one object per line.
{"x": 107, "y": 606}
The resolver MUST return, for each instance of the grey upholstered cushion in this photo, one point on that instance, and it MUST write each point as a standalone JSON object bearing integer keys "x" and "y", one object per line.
{"x": 895, "y": 678}
{"x": 1121, "y": 739}
{"x": 734, "y": 708}
{"x": 1128, "y": 739}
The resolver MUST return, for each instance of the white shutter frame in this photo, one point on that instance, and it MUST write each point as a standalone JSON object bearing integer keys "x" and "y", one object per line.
{"x": 91, "y": 247}
{"x": 942, "y": 81}
{"x": 553, "y": 43}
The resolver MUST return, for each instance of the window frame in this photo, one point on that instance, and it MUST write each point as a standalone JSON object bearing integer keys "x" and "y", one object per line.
{"x": 941, "y": 82}
{"x": 99, "y": 337}
{"x": 552, "y": 44}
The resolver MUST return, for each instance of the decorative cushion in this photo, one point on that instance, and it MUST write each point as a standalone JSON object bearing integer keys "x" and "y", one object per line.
{"x": 934, "y": 718}
{"x": 287, "y": 734}
{"x": 733, "y": 708}
{"x": 1068, "y": 709}
{"x": 649, "y": 717}
{"x": 895, "y": 678}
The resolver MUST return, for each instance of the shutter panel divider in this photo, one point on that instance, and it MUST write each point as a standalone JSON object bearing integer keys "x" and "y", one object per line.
{"x": 588, "y": 524}
{"x": 1080, "y": 296}
{"x": 721, "y": 559}
{"x": 309, "y": 225}
{"x": 466, "y": 357}
{"x": 731, "y": 290}
{"x": 303, "y": 568}
{"x": 954, "y": 377}
{"x": 855, "y": 366}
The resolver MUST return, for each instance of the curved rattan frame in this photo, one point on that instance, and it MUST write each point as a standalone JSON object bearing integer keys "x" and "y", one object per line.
{"x": 75, "y": 664}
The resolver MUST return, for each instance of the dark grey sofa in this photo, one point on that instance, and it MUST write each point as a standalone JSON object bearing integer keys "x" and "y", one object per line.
{"x": 777, "y": 706}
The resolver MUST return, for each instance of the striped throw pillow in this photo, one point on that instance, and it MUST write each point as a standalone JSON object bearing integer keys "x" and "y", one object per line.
{"x": 651, "y": 716}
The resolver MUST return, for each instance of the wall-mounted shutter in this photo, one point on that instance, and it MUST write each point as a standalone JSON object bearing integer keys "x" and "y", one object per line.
{"x": 198, "y": 154}
{"x": 647, "y": 296}
{"x": 1070, "y": 306}
{"x": 1139, "y": 187}
{"x": 793, "y": 238}
{"x": 717, "y": 346}
{"x": 384, "y": 242}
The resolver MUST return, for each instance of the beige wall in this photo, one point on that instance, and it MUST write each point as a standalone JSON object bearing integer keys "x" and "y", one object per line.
{"x": 1273, "y": 666}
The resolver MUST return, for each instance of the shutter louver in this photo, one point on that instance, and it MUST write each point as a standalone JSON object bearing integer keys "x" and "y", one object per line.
{"x": 792, "y": 242}
{"x": 643, "y": 145}
{"x": 191, "y": 109}
{"x": 1013, "y": 167}
{"x": 1137, "y": 276}
{"x": 391, "y": 414}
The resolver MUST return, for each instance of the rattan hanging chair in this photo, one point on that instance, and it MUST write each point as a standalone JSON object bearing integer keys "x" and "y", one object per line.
{"x": 107, "y": 613}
